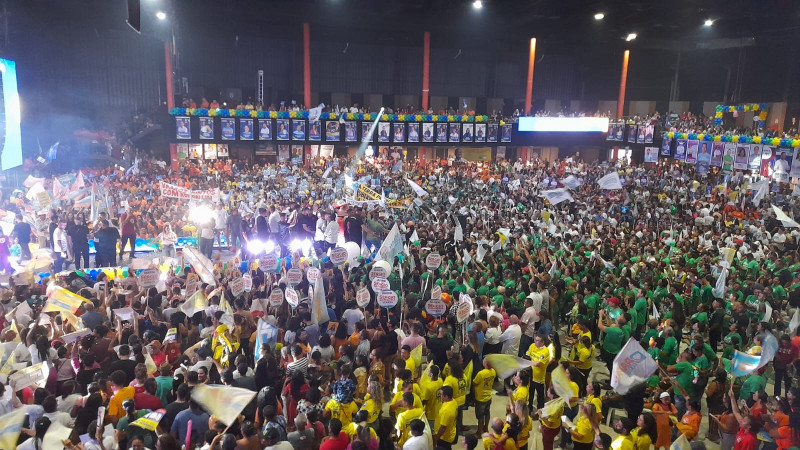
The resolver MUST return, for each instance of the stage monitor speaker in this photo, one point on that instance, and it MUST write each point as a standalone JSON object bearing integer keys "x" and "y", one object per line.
{"x": 135, "y": 15}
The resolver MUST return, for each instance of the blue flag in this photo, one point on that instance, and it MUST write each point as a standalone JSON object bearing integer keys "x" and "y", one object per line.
{"x": 51, "y": 154}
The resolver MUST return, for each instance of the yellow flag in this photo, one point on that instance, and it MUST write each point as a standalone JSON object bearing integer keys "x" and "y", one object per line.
{"x": 506, "y": 365}
{"x": 194, "y": 304}
{"x": 149, "y": 421}
{"x": 150, "y": 364}
{"x": 223, "y": 401}
{"x": 553, "y": 408}
{"x": 60, "y": 299}
{"x": 15, "y": 330}
{"x": 73, "y": 320}
{"x": 224, "y": 305}
{"x": 468, "y": 375}
{"x": 8, "y": 367}
{"x": 561, "y": 383}
{"x": 10, "y": 427}
{"x": 416, "y": 355}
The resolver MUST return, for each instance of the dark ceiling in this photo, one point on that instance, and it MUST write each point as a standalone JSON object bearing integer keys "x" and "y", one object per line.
{"x": 564, "y": 26}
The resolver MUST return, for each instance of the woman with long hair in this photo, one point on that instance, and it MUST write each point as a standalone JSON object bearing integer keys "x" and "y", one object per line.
{"x": 373, "y": 402}
{"x": 294, "y": 390}
{"x": 645, "y": 432}
{"x": 583, "y": 432}
{"x": 526, "y": 423}
{"x": 715, "y": 393}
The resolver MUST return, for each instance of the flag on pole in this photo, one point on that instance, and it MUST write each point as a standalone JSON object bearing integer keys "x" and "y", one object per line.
{"x": 266, "y": 333}
{"x": 656, "y": 315}
{"x": 10, "y": 427}
{"x": 314, "y": 113}
{"x": 319, "y": 309}
{"x": 59, "y": 190}
{"x": 553, "y": 268}
{"x": 225, "y": 402}
{"x": 632, "y": 366}
{"x": 194, "y": 304}
{"x": 506, "y": 365}
{"x": 466, "y": 259}
{"x": 571, "y": 182}
{"x": 759, "y": 189}
{"x": 785, "y": 220}
{"x": 79, "y": 183}
{"x": 556, "y": 196}
{"x": 561, "y": 383}
{"x": 719, "y": 288}
{"x": 52, "y": 153}
{"x": 416, "y": 355}
{"x": 610, "y": 181}
{"x": 795, "y": 322}
{"x": 745, "y": 363}
{"x": 417, "y": 188}
{"x": 391, "y": 247}
{"x": 60, "y": 299}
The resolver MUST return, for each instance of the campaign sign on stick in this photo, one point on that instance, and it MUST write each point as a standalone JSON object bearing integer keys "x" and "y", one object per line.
{"x": 387, "y": 299}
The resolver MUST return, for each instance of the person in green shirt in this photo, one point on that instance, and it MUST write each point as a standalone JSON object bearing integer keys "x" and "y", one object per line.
{"x": 614, "y": 338}
{"x": 670, "y": 351}
{"x": 683, "y": 371}
{"x": 651, "y": 332}
{"x": 754, "y": 383}
{"x": 641, "y": 309}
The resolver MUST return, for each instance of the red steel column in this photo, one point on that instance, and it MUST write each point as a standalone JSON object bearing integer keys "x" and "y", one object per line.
{"x": 623, "y": 79}
{"x": 426, "y": 66}
{"x": 529, "y": 85}
{"x": 307, "y": 65}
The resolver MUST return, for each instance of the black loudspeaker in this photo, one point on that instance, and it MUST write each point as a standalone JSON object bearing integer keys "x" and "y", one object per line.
{"x": 135, "y": 15}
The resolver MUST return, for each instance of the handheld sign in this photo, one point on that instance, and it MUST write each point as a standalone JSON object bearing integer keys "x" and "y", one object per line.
{"x": 338, "y": 255}
{"x": 362, "y": 297}
{"x": 149, "y": 278}
{"x": 291, "y": 297}
{"x": 433, "y": 261}
{"x": 295, "y": 276}
{"x": 463, "y": 311}
{"x": 436, "y": 293}
{"x": 377, "y": 272}
{"x": 172, "y": 335}
{"x": 387, "y": 299}
{"x": 237, "y": 286}
{"x": 380, "y": 284}
{"x": 268, "y": 263}
{"x": 313, "y": 275}
{"x": 192, "y": 286}
{"x": 276, "y": 298}
{"x": 248, "y": 282}
{"x": 436, "y": 307}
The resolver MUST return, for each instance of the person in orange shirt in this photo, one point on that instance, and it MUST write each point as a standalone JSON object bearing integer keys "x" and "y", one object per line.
{"x": 122, "y": 393}
{"x": 690, "y": 423}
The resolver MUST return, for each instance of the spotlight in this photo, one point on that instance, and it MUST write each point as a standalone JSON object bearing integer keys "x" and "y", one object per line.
{"x": 477, "y": 4}
{"x": 599, "y": 16}
{"x": 201, "y": 214}
{"x": 161, "y": 15}
{"x": 255, "y": 247}
{"x": 300, "y": 245}
{"x": 631, "y": 37}
{"x": 708, "y": 22}
{"x": 269, "y": 247}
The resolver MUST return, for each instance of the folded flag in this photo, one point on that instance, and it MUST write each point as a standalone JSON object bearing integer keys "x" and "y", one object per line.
{"x": 225, "y": 402}
{"x": 506, "y": 365}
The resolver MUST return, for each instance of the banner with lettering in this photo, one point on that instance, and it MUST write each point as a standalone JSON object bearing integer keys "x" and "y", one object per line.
{"x": 173, "y": 191}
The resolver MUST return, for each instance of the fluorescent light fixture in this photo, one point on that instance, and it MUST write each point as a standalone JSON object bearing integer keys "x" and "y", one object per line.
{"x": 563, "y": 124}
{"x": 631, "y": 37}
{"x": 599, "y": 16}
{"x": 11, "y": 154}
{"x": 708, "y": 22}
{"x": 477, "y": 4}
{"x": 161, "y": 15}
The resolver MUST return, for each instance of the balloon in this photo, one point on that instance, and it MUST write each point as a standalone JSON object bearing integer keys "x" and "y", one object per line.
{"x": 735, "y": 139}
{"x": 671, "y": 134}
{"x": 717, "y": 138}
{"x": 353, "y": 250}
{"x": 701, "y": 136}
{"x": 776, "y": 141}
{"x": 756, "y": 139}
{"x": 401, "y": 117}
{"x": 755, "y": 108}
{"x": 385, "y": 265}
{"x": 796, "y": 143}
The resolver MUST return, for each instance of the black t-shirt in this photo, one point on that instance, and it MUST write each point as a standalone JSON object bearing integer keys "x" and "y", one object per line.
{"x": 438, "y": 347}
{"x": 352, "y": 229}
{"x": 106, "y": 239}
{"x": 23, "y": 232}
{"x": 308, "y": 220}
{"x": 172, "y": 410}
{"x": 125, "y": 365}
{"x": 79, "y": 233}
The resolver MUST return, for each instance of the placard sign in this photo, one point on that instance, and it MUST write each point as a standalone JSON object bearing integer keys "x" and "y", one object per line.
{"x": 268, "y": 263}
{"x": 436, "y": 307}
{"x": 237, "y": 286}
{"x": 362, "y": 297}
{"x": 433, "y": 261}
{"x": 377, "y": 272}
{"x": 149, "y": 278}
{"x": 276, "y": 298}
{"x": 36, "y": 374}
{"x": 338, "y": 255}
{"x": 172, "y": 335}
{"x": 387, "y": 299}
{"x": 463, "y": 311}
{"x": 380, "y": 284}
{"x": 436, "y": 293}
{"x": 248, "y": 282}
{"x": 291, "y": 297}
{"x": 295, "y": 276}
{"x": 313, "y": 274}
{"x": 192, "y": 286}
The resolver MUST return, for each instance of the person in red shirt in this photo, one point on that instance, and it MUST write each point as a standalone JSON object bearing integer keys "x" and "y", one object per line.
{"x": 746, "y": 438}
{"x": 128, "y": 225}
{"x": 784, "y": 357}
{"x": 148, "y": 399}
{"x": 336, "y": 439}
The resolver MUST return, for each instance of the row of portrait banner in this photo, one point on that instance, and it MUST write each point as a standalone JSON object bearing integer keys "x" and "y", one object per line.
{"x": 338, "y": 131}
{"x": 284, "y": 153}
{"x": 777, "y": 163}
{"x": 637, "y": 134}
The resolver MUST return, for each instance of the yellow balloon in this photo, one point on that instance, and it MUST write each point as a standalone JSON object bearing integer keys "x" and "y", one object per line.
{"x": 756, "y": 139}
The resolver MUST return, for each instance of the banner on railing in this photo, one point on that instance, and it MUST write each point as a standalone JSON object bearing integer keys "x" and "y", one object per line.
{"x": 173, "y": 191}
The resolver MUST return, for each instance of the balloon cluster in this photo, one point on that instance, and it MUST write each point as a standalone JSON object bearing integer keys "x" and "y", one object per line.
{"x": 741, "y": 139}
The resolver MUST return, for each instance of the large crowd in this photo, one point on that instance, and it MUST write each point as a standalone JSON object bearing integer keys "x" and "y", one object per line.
{"x": 495, "y": 307}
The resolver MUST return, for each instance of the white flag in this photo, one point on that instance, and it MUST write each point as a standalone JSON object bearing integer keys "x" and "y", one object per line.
{"x": 552, "y": 271}
{"x": 656, "y": 315}
{"x": 392, "y": 245}
{"x": 467, "y": 259}
{"x": 414, "y": 237}
{"x": 760, "y": 190}
{"x": 610, "y": 181}
{"x": 458, "y": 235}
{"x": 767, "y": 312}
{"x": 632, "y": 366}
{"x": 719, "y": 289}
{"x": 314, "y": 113}
{"x": 571, "y": 182}
{"x": 319, "y": 309}
{"x": 417, "y": 188}
{"x": 785, "y": 220}
{"x": 556, "y": 196}
{"x": 795, "y": 322}
{"x": 327, "y": 171}
{"x": 481, "y": 253}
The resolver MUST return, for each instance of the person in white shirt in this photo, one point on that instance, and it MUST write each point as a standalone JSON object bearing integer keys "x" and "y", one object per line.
{"x": 220, "y": 221}
{"x": 530, "y": 317}
{"x": 60, "y": 246}
{"x": 331, "y": 231}
{"x": 417, "y": 439}
{"x": 511, "y": 337}
{"x": 352, "y": 315}
{"x": 274, "y": 221}
{"x": 168, "y": 240}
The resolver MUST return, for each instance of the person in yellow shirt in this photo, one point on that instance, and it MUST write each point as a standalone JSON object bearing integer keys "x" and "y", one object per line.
{"x": 644, "y": 432}
{"x": 500, "y": 436}
{"x": 592, "y": 396}
{"x": 429, "y": 384}
{"x": 521, "y": 380}
{"x": 396, "y": 406}
{"x": 123, "y": 393}
{"x": 581, "y": 358}
{"x": 405, "y": 353}
{"x": 623, "y": 427}
{"x": 373, "y": 402}
{"x": 457, "y": 382}
{"x": 583, "y": 431}
{"x": 342, "y": 411}
{"x": 404, "y": 418}
{"x": 550, "y": 418}
{"x": 540, "y": 358}
{"x": 360, "y": 419}
{"x": 482, "y": 386}
{"x": 445, "y": 426}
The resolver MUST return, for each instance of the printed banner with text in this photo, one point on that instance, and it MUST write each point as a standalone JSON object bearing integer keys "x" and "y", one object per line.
{"x": 170, "y": 190}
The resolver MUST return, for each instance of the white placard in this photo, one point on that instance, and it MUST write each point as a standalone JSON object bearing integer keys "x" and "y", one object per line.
{"x": 436, "y": 293}
{"x": 291, "y": 297}
{"x": 463, "y": 311}
{"x": 72, "y": 337}
{"x": 377, "y": 272}
{"x": 295, "y": 276}
{"x": 276, "y": 298}
{"x": 362, "y": 297}
{"x": 433, "y": 261}
{"x": 248, "y": 282}
{"x": 380, "y": 284}
{"x": 36, "y": 374}
{"x": 126, "y": 313}
{"x": 387, "y": 299}
{"x": 149, "y": 278}
{"x": 237, "y": 286}
{"x": 436, "y": 307}
{"x": 313, "y": 274}
{"x": 268, "y": 263}
{"x": 338, "y": 256}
